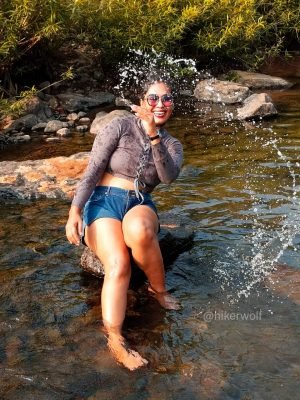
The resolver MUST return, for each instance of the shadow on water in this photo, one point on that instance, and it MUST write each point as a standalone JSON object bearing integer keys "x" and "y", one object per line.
{"x": 237, "y": 336}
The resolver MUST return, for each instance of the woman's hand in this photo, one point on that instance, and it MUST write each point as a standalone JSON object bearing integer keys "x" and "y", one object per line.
{"x": 147, "y": 118}
{"x": 74, "y": 226}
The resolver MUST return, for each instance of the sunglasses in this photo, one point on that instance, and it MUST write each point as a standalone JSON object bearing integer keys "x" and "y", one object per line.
{"x": 166, "y": 99}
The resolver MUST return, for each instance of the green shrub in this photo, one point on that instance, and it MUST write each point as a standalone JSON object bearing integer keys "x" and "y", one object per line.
{"x": 246, "y": 30}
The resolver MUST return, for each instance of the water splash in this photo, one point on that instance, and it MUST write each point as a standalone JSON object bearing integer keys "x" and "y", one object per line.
{"x": 137, "y": 66}
{"x": 244, "y": 268}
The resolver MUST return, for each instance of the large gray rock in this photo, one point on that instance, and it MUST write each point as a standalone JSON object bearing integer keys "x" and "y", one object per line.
{"x": 73, "y": 102}
{"x": 217, "y": 91}
{"x": 261, "y": 81}
{"x": 102, "y": 118}
{"x": 257, "y": 106}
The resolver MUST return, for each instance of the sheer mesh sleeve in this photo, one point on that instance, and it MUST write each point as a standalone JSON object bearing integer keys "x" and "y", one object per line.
{"x": 104, "y": 145}
{"x": 168, "y": 158}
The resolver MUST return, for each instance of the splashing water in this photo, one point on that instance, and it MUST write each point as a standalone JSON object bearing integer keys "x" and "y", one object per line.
{"x": 137, "y": 66}
{"x": 264, "y": 247}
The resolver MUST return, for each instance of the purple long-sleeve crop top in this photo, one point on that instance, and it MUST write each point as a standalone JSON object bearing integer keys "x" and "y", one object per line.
{"x": 118, "y": 148}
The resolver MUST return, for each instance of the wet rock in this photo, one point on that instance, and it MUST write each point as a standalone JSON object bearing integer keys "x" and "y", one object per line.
{"x": 172, "y": 242}
{"x": 82, "y": 128}
{"x": 49, "y": 178}
{"x": 71, "y": 124}
{"x": 102, "y": 118}
{"x": 122, "y": 102}
{"x": 22, "y": 138}
{"x": 217, "y": 91}
{"x": 72, "y": 117}
{"x": 85, "y": 121}
{"x": 53, "y": 102}
{"x": 39, "y": 127}
{"x": 41, "y": 109}
{"x": 82, "y": 114}
{"x": 73, "y": 102}
{"x": 257, "y": 106}
{"x": 54, "y": 125}
{"x": 52, "y": 139}
{"x": 261, "y": 81}
{"x": 24, "y": 123}
{"x": 63, "y": 132}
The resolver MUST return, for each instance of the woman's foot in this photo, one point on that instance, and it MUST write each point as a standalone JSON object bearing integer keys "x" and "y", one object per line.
{"x": 123, "y": 354}
{"x": 165, "y": 299}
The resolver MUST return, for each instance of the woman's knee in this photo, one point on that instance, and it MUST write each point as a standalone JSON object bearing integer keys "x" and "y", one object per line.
{"x": 139, "y": 232}
{"x": 117, "y": 266}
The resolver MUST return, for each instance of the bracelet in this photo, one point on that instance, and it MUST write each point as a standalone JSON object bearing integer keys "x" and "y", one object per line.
{"x": 154, "y": 137}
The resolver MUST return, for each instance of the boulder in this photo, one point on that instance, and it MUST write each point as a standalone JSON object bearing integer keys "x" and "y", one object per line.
{"x": 49, "y": 178}
{"x": 216, "y": 91}
{"x": 41, "y": 109}
{"x": 102, "y": 118}
{"x": 260, "y": 81}
{"x": 257, "y": 106}
{"x": 73, "y": 102}
{"x": 24, "y": 123}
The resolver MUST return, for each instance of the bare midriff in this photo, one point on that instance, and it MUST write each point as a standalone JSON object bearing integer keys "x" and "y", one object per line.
{"x": 110, "y": 180}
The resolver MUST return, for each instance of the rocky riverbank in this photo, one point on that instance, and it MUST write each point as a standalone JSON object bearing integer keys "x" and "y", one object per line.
{"x": 51, "y": 117}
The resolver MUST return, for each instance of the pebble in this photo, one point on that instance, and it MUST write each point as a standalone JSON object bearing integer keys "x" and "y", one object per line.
{"x": 85, "y": 121}
{"x": 63, "y": 132}
{"x": 82, "y": 128}
{"x": 52, "y": 139}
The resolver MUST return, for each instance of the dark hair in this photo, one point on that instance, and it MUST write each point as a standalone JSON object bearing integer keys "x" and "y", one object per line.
{"x": 151, "y": 79}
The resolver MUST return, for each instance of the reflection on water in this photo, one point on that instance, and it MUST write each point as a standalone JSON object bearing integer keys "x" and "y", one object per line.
{"x": 237, "y": 336}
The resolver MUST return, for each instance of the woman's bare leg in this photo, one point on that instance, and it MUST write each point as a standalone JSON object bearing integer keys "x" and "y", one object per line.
{"x": 140, "y": 226}
{"x": 105, "y": 237}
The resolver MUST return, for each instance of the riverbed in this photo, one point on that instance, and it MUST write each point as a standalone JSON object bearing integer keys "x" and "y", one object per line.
{"x": 237, "y": 335}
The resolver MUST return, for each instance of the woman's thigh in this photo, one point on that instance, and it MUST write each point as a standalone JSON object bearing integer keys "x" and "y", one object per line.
{"x": 105, "y": 238}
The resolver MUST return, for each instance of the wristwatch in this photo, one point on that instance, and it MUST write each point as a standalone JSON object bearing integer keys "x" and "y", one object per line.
{"x": 156, "y": 136}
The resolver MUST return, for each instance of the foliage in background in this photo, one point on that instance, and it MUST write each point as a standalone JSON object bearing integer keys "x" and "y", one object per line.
{"x": 15, "y": 106}
{"x": 246, "y": 30}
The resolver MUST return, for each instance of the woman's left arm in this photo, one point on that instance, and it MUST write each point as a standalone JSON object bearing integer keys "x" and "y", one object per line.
{"x": 168, "y": 158}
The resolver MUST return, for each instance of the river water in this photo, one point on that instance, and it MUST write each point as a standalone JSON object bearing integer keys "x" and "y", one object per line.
{"x": 237, "y": 336}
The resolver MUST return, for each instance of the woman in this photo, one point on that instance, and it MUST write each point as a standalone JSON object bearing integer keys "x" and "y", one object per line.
{"x": 130, "y": 156}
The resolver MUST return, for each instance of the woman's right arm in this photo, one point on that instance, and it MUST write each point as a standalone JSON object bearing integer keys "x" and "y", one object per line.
{"x": 104, "y": 145}
{"x": 74, "y": 225}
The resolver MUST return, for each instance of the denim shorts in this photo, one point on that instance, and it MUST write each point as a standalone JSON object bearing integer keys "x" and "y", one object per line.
{"x": 112, "y": 202}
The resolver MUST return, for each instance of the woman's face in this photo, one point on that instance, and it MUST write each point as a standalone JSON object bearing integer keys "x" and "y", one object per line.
{"x": 158, "y": 100}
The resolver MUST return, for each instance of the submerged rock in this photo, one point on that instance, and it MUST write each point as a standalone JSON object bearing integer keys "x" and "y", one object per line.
{"x": 285, "y": 281}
